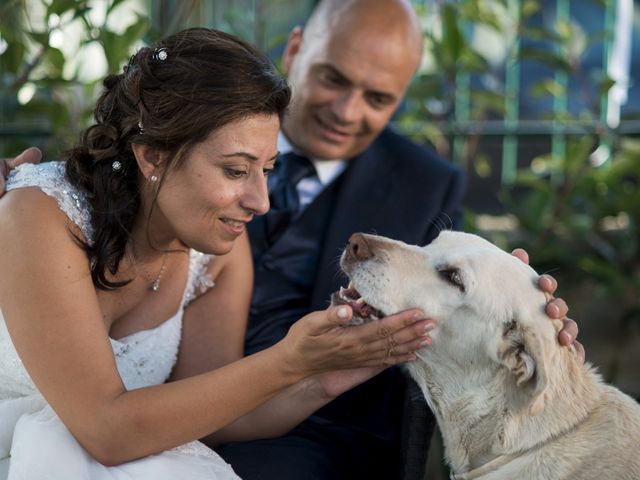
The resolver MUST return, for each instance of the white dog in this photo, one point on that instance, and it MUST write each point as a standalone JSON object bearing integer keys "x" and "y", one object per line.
{"x": 510, "y": 402}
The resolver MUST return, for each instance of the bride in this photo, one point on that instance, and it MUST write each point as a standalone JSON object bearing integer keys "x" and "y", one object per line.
{"x": 128, "y": 265}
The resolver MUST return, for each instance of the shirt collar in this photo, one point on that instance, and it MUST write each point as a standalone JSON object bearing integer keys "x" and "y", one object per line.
{"x": 327, "y": 170}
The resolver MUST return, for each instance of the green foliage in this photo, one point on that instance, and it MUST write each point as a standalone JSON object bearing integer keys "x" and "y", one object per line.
{"x": 575, "y": 208}
{"x": 587, "y": 224}
{"x": 47, "y": 95}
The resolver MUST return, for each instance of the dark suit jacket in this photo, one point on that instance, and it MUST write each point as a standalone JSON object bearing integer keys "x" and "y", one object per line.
{"x": 395, "y": 188}
{"x": 403, "y": 191}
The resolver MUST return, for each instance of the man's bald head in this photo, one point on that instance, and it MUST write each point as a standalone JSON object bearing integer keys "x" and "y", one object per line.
{"x": 383, "y": 16}
{"x": 349, "y": 69}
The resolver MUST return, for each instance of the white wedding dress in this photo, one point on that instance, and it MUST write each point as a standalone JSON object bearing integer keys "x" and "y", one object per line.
{"x": 34, "y": 443}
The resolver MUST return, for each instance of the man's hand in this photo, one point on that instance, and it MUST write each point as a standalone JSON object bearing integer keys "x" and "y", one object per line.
{"x": 30, "y": 155}
{"x": 556, "y": 308}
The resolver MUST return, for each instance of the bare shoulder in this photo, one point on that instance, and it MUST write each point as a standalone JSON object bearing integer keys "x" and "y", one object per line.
{"x": 28, "y": 209}
{"x": 33, "y": 229}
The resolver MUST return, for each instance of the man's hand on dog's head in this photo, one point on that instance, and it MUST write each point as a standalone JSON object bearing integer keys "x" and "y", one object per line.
{"x": 556, "y": 309}
{"x": 30, "y": 155}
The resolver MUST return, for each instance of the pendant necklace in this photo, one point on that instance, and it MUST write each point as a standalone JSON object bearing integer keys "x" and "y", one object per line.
{"x": 154, "y": 284}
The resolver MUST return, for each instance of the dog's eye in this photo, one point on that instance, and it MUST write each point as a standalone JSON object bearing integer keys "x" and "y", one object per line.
{"x": 453, "y": 276}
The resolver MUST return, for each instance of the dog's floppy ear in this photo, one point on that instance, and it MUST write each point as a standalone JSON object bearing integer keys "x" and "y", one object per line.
{"x": 522, "y": 352}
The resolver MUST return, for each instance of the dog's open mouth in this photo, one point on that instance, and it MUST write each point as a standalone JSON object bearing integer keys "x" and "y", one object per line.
{"x": 361, "y": 310}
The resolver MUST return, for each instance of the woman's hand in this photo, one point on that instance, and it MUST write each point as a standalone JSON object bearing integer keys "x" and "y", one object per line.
{"x": 321, "y": 342}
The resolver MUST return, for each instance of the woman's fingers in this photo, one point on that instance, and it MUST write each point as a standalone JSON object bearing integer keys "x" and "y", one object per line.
{"x": 406, "y": 340}
{"x": 322, "y": 321}
{"x": 324, "y": 341}
{"x": 394, "y": 339}
{"x": 391, "y": 324}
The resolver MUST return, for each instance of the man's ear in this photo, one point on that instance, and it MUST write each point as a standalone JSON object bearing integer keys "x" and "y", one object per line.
{"x": 522, "y": 352}
{"x": 150, "y": 160}
{"x": 291, "y": 50}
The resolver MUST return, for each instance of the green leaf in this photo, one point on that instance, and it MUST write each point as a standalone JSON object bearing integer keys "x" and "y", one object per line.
{"x": 471, "y": 61}
{"x": 487, "y": 100}
{"x": 605, "y": 85}
{"x": 117, "y": 47}
{"x": 565, "y": 29}
{"x": 540, "y": 33}
{"x": 547, "y": 57}
{"x": 55, "y": 59}
{"x": 452, "y": 40}
{"x": 110, "y": 43}
{"x": 13, "y": 57}
{"x": 132, "y": 34}
{"x": 482, "y": 165}
{"x": 113, "y": 5}
{"x": 60, "y": 6}
{"x": 40, "y": 37}
{"x": 81, "y": 12}
{"x": 548, "y": 86}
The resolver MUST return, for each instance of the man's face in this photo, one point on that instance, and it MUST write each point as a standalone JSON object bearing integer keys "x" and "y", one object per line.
{"x": 346, "y": 85}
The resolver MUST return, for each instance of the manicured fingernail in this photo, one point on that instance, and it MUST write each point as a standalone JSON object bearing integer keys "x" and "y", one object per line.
{"x": 343, "y": 312}
{"x": 565, "y": 338}
{"x": 426, "y": 341}
{"x": 428, "y": 327}
{"x": 418, "y": 315}
{"x": 412, "y": 358}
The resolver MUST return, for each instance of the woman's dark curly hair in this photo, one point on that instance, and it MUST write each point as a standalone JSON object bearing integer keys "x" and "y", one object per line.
{"x": 179, "y": 91}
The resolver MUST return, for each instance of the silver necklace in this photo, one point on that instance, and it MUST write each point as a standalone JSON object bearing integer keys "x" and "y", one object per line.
{"x": 154, "y": 284}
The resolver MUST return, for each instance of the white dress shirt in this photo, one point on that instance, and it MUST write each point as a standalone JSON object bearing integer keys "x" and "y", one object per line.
{"x": 326, "y": 171}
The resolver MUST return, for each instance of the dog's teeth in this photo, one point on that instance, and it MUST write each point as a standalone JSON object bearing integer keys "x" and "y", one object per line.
{"x": 350, "y": 285}
{"x": 360, "y": 300}
{"x": 375, "y": 317}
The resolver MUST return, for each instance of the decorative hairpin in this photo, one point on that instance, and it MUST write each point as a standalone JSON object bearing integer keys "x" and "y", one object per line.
{"x": 116, "y": 166}
{"x": 160, "y": 54}
{"x": 140, "y": 128}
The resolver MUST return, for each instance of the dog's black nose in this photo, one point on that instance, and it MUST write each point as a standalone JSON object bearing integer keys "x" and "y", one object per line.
{"x": 358, "y": 248}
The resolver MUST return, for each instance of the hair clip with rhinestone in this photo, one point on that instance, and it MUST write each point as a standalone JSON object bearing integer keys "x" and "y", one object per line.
{"x": 160, "y": 54}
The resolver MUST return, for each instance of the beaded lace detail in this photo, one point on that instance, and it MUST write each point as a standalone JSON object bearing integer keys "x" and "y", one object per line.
{"x": 146, "y": 357}
{"x": 202, "y": 280}
{"x": 50, "y": 178}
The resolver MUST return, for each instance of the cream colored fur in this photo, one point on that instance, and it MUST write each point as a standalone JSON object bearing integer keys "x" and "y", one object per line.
{"x": 501, "y": 387}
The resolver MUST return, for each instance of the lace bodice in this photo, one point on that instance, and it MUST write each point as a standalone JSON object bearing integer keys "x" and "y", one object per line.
{"x": 143, "y": 358}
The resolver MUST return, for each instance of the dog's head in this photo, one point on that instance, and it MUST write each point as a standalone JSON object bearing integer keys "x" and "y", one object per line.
{"x": 487, "y": 303}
